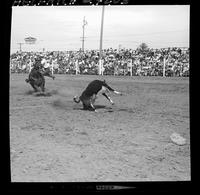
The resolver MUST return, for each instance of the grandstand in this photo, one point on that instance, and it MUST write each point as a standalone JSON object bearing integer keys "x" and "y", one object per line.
{"x": 115, "y": 62}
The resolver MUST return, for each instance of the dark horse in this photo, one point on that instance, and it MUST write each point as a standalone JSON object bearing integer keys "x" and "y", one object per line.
{"x": 36, "y": 78}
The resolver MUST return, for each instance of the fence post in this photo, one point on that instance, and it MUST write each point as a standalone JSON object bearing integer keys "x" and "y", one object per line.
{"x": 131, "y": 67}
{"x": 99, "y": 66}
{"x": 52, "y": 67}
{"x": 76, "y": 64}
{"x": 101, "y": 69}
{"x": 164, "y": 63}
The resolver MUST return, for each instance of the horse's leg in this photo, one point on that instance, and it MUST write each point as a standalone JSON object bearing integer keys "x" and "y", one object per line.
{"x": 43, "y": 86}
{"x": 34, "y": 87}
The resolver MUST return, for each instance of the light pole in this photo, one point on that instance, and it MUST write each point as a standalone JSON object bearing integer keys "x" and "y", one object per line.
{"x": 20, "y": 46}
{"x": 83, "y": 38}
{"x": 101, "y": 39}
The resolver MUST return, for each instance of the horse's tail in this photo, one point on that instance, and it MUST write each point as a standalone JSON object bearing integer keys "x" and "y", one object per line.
{"x": 76, "y": 99}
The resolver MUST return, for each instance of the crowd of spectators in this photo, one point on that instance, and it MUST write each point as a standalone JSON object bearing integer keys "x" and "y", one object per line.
{"x": 137, "y": 62}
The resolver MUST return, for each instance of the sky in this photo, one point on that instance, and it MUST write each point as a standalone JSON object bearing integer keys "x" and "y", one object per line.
{"x": 60, "y": 27}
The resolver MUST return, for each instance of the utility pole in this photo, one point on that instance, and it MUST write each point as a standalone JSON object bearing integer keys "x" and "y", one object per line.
{"x": 83, "y": 38}
{"x": 20, "y": 46}
{"x": 101, "y": 39}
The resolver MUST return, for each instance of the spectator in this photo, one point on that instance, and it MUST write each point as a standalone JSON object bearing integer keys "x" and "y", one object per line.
{"x": 115, "y": 62}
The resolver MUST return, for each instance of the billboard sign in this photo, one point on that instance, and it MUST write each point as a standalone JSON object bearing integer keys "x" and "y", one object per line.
{"x": 30, "y": 40}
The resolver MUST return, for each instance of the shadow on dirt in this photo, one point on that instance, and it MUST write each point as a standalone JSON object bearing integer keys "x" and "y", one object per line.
{"x": 110, "y": 110}
{"x": 44, "y": 94}
{"x": 69, "y": 105}
{"x": 99, "y": 106}
{"x": 129, "y": 110}
{"x": 29, "y": 92}
{"x": 96, "y": 107}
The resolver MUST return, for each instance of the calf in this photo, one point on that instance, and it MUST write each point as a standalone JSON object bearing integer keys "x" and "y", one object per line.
{"x": 89, "y": 95}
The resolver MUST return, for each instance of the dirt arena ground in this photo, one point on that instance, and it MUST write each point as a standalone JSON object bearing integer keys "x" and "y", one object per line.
{"x": 53, "y": 140}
